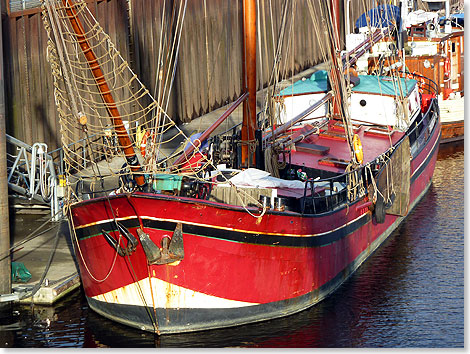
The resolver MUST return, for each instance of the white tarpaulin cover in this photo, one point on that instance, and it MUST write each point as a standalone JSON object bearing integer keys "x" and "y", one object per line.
{"x": 420, "y": 16}
{"x": 253, "y": 177}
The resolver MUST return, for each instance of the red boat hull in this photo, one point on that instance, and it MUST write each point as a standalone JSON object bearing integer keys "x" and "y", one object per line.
{"x": 236, "y": 268}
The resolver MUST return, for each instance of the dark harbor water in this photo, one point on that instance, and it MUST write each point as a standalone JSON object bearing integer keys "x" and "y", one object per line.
{"x": 409, "y": 294}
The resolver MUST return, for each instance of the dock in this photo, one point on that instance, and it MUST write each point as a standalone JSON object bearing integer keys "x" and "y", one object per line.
{"x": 452, "y": 119}
{"x": 48, "y": 257}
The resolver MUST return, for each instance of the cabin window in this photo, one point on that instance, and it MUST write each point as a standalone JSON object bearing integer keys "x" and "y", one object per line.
{"x": 21, "y": 5}
{"x": 453, "y": 47}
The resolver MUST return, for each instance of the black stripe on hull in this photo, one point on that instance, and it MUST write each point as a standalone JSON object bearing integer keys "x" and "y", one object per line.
{"x": 140, "y": 317}
{"x": 269, "y": 240}
{"x": 234, "y": 236}
{"x": 109, "y": 226}
{"x": 425, "y": 163}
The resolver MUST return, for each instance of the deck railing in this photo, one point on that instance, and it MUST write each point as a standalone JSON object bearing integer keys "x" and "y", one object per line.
{"x": 329, "y": 193}
{"x": 427, "y": 85}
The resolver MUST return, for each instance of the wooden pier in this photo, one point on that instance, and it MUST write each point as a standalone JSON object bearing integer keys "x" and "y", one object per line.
{"x": 452, "y": 119}
{"x": 48, "y": 257}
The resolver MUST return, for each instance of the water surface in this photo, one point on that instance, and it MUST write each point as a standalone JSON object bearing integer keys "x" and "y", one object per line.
{"x": 410, "y": 293}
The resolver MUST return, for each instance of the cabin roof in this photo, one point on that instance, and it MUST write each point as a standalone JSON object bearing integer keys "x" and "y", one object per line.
{"x": 368, "y": 84}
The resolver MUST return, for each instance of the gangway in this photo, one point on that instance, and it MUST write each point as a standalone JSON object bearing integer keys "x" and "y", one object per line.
{"x": 33, "y": 174}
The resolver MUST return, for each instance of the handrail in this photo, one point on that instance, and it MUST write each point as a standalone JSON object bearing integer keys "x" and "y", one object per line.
{"x": 310, "y": 184}
{"x": 31, "y": 173}
{"x": 431, "y": 113}
{"x": 430, "y": 85}
{"x": 452, "y": 35}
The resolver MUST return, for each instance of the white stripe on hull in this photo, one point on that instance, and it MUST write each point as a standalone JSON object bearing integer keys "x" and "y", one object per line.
{"x": 165, "y": 295}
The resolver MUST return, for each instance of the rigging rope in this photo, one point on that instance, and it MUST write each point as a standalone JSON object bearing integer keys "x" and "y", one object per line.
{"x": 82, "y": 112}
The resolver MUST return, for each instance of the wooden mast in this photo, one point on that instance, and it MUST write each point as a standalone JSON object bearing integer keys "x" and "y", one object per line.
{"x": 124, "y": 140}
{"x": 336, "y": 75}
{"x": 334, "y": 4}
{"x": 249, "y": 125}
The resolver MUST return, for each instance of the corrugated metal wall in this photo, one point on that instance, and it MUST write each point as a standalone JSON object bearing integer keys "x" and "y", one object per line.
{"x": 209, "y": 68}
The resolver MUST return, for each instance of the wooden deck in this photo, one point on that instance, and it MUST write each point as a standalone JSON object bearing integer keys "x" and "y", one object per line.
{"x": 452, "y": 119}
{"x": 335, "y": 151}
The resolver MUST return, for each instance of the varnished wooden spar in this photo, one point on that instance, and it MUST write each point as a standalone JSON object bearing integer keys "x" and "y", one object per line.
{"x": 288, "y": 125}
{"x": 352, "y": 56}
{"x": 124, "y": 140}
{"x": 249, "y": 125}
{"x": 187, "y": 154}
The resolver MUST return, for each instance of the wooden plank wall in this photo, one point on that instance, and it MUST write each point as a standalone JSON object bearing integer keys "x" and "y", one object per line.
{"x": 209, "y": 69}
{"x": 31, "y": 110}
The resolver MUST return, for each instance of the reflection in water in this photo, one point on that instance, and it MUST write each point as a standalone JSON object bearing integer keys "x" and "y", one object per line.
{"x": 60, "y": 326}
{"x": 410, "y": 293}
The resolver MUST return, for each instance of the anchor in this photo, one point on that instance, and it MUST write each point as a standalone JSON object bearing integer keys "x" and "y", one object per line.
{"x": 131, "y": 240}
{"x": 172, "y": 249}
